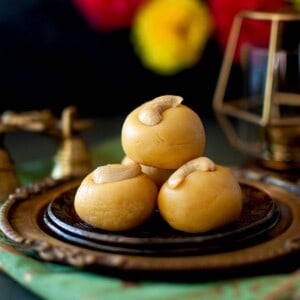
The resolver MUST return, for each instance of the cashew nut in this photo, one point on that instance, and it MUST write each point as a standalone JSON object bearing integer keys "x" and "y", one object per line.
{"x": 201, "y": 163}
{"x": 116, "y": 172}
{"x": 150, "y": 113}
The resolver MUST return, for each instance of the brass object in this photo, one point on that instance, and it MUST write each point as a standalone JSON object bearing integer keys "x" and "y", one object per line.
{"x": 21, "y": 220}
{"x": 272, "y": 119}
{"x": 36, "y": 121}
{"x": 11, "y": 121}
{"x": 73, "y": 157}
{"x": 8, "y": 177}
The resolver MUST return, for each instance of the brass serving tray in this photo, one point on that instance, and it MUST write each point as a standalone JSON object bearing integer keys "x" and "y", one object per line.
{"x": 40, "y": 217}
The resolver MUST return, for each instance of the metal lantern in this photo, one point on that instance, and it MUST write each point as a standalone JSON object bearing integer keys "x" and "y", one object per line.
{"x": 265, "y": 121}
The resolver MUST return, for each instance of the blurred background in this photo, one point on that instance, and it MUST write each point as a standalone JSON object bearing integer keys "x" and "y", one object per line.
{"x": 55, "y": 53}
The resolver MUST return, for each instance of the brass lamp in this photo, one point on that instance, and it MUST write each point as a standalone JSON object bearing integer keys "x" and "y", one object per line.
{"x": 265, "y": 121}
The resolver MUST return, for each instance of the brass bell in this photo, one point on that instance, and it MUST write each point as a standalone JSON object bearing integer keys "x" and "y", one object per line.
{"x": 73, "y": 158}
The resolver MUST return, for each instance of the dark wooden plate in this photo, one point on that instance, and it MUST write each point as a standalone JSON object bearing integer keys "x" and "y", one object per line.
{"x": 260, "y": 214}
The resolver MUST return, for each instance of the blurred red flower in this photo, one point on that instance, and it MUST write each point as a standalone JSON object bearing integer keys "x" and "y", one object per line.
{"x": 254, "y": 32}
{"x": 105, "y": 15}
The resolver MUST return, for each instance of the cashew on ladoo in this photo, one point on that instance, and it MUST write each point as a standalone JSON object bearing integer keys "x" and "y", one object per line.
{"x": 116, "y": 172}
{"x": 200, "y": 164}
{"x": 151, "y": 113}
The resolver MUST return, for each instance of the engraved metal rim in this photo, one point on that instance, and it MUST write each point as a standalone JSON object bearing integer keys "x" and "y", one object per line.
{"x": 51, "y": 249}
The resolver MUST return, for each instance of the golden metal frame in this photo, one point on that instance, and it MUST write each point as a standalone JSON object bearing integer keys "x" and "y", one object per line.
{"x": 271, "y": 100}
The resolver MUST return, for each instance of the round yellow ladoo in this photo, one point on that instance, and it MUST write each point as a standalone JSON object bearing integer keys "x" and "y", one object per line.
{"x": 116, "y": 197}
{"x": 200, "y": 196}
{"x": 163, "y": 133}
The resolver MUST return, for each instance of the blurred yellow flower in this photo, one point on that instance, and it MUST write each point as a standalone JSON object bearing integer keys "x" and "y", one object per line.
{"x": 170, "y": 35}
{"x": 295, "y": 3}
